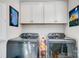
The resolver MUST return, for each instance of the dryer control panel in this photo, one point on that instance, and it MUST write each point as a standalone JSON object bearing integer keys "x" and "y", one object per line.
{"x": 56, "y": 36}
{"x": 29, "y": 35}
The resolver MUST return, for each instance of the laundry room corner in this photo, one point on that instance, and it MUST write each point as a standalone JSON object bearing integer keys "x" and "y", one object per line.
{"x": 39, "y": 28}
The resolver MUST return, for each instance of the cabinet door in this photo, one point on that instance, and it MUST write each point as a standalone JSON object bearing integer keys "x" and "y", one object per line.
{"x": 61, "y": 11}
{"x": 37, "y": 12}
{"x": 26, "y": 13}
{"x": 49, "y": 12}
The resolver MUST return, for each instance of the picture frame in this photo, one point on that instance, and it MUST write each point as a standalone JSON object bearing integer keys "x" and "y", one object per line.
{"x": 14, "y": 17}
{"x": 74, "y": 17}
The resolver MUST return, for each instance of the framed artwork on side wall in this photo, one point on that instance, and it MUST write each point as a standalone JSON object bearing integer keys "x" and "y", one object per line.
{"x": 13, "y": 17}
{"x": 74, "y": 17}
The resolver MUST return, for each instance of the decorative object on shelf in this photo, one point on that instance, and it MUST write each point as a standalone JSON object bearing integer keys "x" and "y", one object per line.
{"x": 13, "y": 16}
{"x": 74, "y": 17}
{"x": 42, "y": 47}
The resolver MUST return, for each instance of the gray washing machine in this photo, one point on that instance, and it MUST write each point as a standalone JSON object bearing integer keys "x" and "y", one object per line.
{"x": 25, "y": 46}
{"x": 59, "y": 46}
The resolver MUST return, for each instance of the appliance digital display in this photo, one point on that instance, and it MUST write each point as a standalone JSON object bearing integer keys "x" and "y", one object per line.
{"x": 14, "y": 17}
{"x": 74, "y": 17}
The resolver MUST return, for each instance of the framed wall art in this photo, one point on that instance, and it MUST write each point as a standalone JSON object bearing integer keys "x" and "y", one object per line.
{"x": 13, "y": 16}
{"x": 74, "y": 17}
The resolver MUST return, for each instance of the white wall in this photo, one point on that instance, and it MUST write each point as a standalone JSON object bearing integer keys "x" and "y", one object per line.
{"x": 3, "y": 21}
{"x": 13, "y": 31}
{"x": 3, "y": 27}
{"x": 7, "y": 32}
{"x": 43, "y": 30}
{"x": 3, "y": 46}
{"x": 73, "y": 31}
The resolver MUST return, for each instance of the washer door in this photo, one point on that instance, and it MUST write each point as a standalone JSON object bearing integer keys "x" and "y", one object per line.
{"x": 61, "y": 50}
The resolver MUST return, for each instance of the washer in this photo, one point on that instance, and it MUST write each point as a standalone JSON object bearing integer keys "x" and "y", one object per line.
{"x": 59, "y": 46}
{"x": 24, "y": 46}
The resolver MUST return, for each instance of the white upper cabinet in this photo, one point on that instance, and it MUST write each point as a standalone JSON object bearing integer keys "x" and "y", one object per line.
{"x": 44, "y": 12}
{"x": 61, "y": 11}
{"x": 26, "y": 12}
{"x": 49, "y": 12}
{"x": 37, "y": 12}
{"x": 31, "y": 12}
